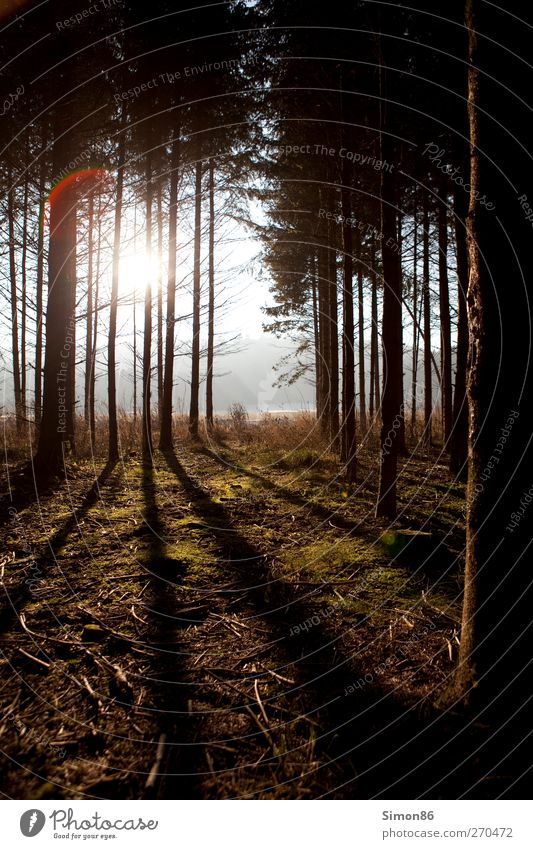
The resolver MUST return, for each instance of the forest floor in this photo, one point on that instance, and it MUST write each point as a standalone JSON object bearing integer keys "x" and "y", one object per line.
{"x": 234, "y": 623}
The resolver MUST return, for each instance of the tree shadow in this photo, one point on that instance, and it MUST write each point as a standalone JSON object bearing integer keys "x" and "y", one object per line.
{"x": 382, "y": 747}
{"x": 166, "y": 676}
{"x": 19, "y": 596}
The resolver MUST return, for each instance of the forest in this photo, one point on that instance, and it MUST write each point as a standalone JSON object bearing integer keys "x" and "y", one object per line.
{"x": 265, "y": 340}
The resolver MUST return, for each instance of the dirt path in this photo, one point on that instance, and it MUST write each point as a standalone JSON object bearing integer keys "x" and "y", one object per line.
{"x": 217, "y": 627}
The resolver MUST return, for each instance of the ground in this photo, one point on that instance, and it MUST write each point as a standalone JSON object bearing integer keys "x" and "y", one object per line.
{"x": 233, "y": 623}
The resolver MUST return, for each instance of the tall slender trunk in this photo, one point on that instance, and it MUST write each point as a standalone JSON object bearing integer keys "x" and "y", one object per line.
{"x": 445, "y": 325}
{"x": 495, "y": 659}
{"x": 39, "y": 318}
{"x": 316, "y": 334}
{"x": 159, "y": 301}
{"x": 195, "y": 357}
{"x": 92, "y": 385}
{"x": 333, "y": 354}
{"x": 147, "y": 449}
{"x": 325, "y": 329}
{"x": 416, "y": 330}
{"x": 361, "y": 333}
{"x": 459, "y": 437}
{"x": 23, "y": 299}
{"x": 428, "y": 394}
{"x": 111, "y": 341}
{"x": 211, "y": 305}
{"x": 58, "y": 397}
{"x": 348, "y": 434}
{"x": 400, "y": 439}
{"x": 165, "y": 435}
{"x": 14, "y": 299}
{"x": 89, "y": 320}
{"x": 375, "y": 381}
{"x": 391, "y": 404}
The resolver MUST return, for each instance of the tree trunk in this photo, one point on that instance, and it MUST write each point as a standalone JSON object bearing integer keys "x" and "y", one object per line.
{"x": 391, "y": 404}
{"x": 159, "y": 301}
{"x": 374, "y": 356}
{"x": 316, "y": 335}
{"x": 147, "y": 448}
{"x": 333, "y": 354}
{"x": 39, "y": 298}
{"x": 459, "y": 437}
{"x": 494, "y": 672}
{"x": 58, "y": 396}
{"x": 89, "y": 320}
{"x": 445, "y": 326}
{"x": 348, "y": 434}
{"x": 211, "y": 306}
{"x": 428, "y": 394}
{"x": 92, "y": 410}
{"x": 325, "y": 328}
{"x": 400, "y": 437}
{"x": 194, "y": 414}
{"x": 111, "y": 341}
{"x": 165, "y": 435}
{"x": 416, "y": 330}
{"x": 14, "y": 300}
{"x": 23, "y": 300}
{"x": 361, "y": 333}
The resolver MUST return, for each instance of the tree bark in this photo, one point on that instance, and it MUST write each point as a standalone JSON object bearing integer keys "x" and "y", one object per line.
{"x": 58, "y": 395}
{"x": 89, "y": 319}
{"x": 159, "y": 301}
{"x": 459, "y": 437}
{"x": 391, "y": 405}
{"x": 361, "y": 334}
{"x": 165, "y": 436}
{"x": 14, "y": 299}
{"x": 348, "y": 432}
{"x": 194, "y": 414}
{"x": 445, "y": 325}
{"x": 416, "y": 333}
{"x": 494, "y": 674}
{"x": 147, "y": 448}
{"x": 211, "y": 304}
{"x": 428, "y": 393}
{"x": 39, "y": 298}
{"x": 111, "y": 341}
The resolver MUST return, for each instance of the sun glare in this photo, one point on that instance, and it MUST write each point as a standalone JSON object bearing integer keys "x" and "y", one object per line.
{"x": 136, "y": 271}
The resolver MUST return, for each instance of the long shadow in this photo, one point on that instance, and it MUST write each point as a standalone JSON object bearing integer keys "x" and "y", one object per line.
{"x": 165, "y": 679}
{"x": 20, "y": 488}
{"x": 19, "y": 596}
{"x": 377, "y": 742}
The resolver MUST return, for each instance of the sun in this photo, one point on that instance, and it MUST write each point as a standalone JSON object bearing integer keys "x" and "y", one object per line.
{"x": 136, "y": 271}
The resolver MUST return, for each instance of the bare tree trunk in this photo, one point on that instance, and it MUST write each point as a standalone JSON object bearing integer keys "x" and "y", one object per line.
{"x": 494, "y": 672}
{"x": 58, "y": 399}
{"x": 195, "y": 358}
{"x": 361, "y": 333}
{"x": 211, "y": 305}
{"x": 111, "y": 340}
{"x": 333, "y": 354}
{"x": 348, "y": 434}
{"x": 316, "y": 334}
{"x": 147, "y": 449}
{"x": 23, "y": 301}
{"x": 459, "y": 437}
{"x": 39, "y": 298}
{"x": 14, "y": 299}
{"x": 391, "y": 404}
{"x": 445, "y": 326}
{"x": 89, "y": 321}
{"x": 400, "y": 437}
{"x": 159, "y": 301}
{"x": 416, "y": 329}
{"x": 165, "y": 435}
{"x": 325, "y": 328}
{"x": 92, "y": 386}
{"x": 428, "y": 394}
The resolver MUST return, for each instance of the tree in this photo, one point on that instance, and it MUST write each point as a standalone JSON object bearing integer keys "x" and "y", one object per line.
{"x": 112, "y": 337}
{"x": 496, "y": 637}
{"x": 195, "y": 356}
